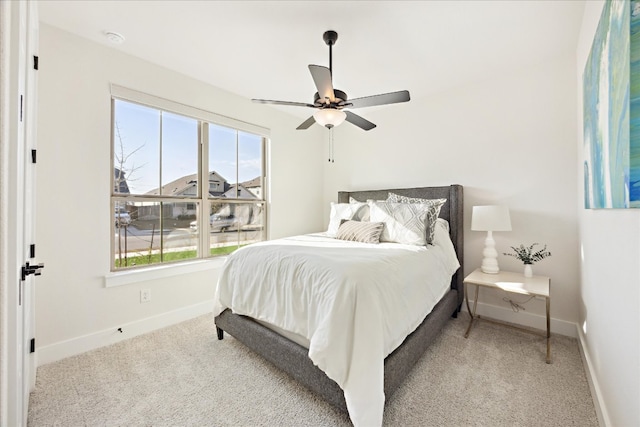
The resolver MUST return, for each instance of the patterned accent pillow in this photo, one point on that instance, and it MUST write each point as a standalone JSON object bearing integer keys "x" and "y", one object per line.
{"x": 403, "y": 222}
{"x": 357, "y": 231}
{"x": 340, "y": 211}
{"x": 436, "y": 205}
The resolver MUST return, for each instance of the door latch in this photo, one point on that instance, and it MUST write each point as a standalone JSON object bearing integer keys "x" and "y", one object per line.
{"x": 29, "y": 269}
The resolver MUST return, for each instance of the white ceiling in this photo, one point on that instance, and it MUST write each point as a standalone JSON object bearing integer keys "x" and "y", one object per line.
{"x": 261, "y": 49}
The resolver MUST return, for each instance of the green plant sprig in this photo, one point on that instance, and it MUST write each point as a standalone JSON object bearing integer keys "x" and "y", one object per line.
{"x": 527, "y": 254}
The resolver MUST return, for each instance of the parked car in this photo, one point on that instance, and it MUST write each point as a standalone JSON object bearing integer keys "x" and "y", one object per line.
{"x": 122, "y": 218}
{"x": 218, "y": 223}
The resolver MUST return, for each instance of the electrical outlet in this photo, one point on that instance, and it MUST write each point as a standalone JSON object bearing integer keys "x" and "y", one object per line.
{"x": 145, "y": 295}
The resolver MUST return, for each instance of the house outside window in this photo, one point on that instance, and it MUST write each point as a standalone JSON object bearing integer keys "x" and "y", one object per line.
{"x": 187, "y": 184}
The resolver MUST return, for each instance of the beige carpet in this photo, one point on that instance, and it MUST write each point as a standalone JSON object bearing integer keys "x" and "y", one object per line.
{"x": 184, "y": 376}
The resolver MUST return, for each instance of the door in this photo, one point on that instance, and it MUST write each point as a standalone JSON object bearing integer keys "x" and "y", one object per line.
{"x": 30, "y": 108}
{"x": 18, "y": 37}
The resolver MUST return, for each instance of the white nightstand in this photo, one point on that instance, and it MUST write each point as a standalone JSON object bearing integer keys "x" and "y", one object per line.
{"x": 510, "y": 282}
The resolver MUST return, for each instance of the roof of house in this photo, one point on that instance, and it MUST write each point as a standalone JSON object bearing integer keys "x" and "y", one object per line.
{"x": 255, "y": 182}
{"x": 244, "y": 192}
{"x": 181, "y": 185}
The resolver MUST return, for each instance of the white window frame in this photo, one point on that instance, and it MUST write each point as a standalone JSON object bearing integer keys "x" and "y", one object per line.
{"x": 124, "y": 275}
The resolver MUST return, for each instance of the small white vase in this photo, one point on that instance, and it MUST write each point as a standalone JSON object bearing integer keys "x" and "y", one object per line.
{"x": 528, "y": 271}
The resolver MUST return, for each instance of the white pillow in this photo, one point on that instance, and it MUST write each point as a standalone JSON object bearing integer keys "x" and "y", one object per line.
{"x": 340, "y": 211}
{"x": 403, "y": 222}
{"x": 362, "y": 214}
{"x": 443, "y": 223}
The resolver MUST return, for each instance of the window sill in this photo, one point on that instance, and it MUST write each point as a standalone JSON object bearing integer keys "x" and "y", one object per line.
{"x": 128, "y": 277}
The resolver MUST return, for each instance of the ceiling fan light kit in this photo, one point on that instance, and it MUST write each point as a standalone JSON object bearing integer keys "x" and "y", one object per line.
{"x": 329, "y": 117}
{"x": 330, "y": 102}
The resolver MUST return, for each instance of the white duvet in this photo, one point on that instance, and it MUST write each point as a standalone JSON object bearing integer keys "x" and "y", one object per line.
{"x": 354, "y": 302}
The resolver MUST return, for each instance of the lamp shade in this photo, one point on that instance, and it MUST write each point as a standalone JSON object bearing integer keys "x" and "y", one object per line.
{"x": 490, "y": 218}
{"x": 329, "y": 117}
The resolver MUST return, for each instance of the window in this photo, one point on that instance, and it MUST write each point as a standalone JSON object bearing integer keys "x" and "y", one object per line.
{"x": 187, "y": 183}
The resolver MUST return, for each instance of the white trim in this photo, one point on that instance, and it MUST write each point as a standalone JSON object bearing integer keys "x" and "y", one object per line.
{"x": 128, "y": 277}
{"x": 5, "y": 225}
{"x": 524, "y": 318}
{"x": 592, "y": 379}
{"x": 131, "y": 95}
{"x": 71, "y": 347}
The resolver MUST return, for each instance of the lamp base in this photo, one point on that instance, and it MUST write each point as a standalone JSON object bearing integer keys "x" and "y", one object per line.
{"x": 490, "y": 269}
{"x": 490, "y": 260}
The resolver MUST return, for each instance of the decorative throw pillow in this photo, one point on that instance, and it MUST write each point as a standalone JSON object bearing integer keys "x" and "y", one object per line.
{"x": 358, "y": 231}
{"x": 403, "y": 222}
{"x": 434, "y": 212}
{"x": 340, "y": 211}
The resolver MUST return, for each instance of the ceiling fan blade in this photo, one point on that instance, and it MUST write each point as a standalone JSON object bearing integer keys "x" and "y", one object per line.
{"x": 382, "y": 99}
{"x": 359, "y": 121}
{"x": 322, "y": 78}
{"x": 293, "y": 104}
{"x": 306, "y": 124}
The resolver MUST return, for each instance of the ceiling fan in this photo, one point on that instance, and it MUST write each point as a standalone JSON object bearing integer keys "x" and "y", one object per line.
{"x": 330, "y": 102}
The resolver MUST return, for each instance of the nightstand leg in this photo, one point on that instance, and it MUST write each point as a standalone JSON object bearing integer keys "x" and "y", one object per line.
{"x": 475, "y": 305}
{"x": 548, "y": 331}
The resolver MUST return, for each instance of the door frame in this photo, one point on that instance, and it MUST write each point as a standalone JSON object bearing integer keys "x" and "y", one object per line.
{"x": 18, "y": 37}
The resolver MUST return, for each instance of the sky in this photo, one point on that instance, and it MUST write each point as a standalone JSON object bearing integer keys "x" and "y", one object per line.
{"x": 141, "y": 134}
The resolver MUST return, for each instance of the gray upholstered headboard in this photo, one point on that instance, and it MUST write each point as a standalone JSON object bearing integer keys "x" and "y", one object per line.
{"x": 452, "y": 211}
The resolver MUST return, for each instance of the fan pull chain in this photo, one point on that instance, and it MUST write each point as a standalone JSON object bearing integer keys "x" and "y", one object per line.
{"x": 331, "y": 160}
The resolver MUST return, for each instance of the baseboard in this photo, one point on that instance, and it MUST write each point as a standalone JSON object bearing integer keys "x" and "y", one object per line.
{"x": 524, "y": 318}
{"x": 592, "y": 379}
{"x": 63, "y": 349}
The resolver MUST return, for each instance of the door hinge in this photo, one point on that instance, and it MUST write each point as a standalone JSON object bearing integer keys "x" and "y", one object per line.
{"x": 35, "y": 62}
{"x": 32, "y": 251}
{"x": 28, "y": 269}
{"x": 33, "y": 156}
{"x": 32, "y": 347}
{"x": 20, "y": 107}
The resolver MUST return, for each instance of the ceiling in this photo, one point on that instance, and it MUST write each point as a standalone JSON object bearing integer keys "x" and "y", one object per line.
{"x": 261, "y": 49}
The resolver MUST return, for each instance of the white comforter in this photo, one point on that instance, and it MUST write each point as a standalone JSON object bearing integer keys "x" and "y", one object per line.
{"x": 354, "y": 302}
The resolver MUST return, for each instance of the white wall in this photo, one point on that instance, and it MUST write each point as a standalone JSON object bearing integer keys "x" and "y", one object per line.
{"x": 609, "y": 296}
{"x": 73, "y": 215}
{"x": 508, "y": 140}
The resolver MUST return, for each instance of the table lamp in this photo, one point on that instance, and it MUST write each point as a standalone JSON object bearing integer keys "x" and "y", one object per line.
{"x": 490, "y": 219}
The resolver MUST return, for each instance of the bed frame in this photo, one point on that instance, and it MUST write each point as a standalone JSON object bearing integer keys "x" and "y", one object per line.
{"x": 293, "y": 358}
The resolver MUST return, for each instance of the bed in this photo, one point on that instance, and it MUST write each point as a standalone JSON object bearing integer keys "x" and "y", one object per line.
{"x": 287, "y": 353}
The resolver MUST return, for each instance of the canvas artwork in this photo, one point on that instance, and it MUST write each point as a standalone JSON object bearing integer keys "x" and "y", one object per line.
{"x": 611, "y": 89}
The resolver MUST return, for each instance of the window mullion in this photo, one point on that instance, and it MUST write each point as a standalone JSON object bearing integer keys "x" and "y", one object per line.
{"x": 237, "y": 164}
{"x": 238, "y": 180}
{"x": 264, "y": 188}
{"x": 203, "y": 235}
{"x": 161, "y": 193}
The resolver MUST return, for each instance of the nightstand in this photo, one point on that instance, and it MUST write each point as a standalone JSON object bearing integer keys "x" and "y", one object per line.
{"x": 537, "y": 286}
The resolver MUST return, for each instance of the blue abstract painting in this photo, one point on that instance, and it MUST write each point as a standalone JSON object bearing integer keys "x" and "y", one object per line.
{"x": 611, "y": 88}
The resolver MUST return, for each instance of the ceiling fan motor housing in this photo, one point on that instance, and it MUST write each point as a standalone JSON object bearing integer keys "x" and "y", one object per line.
{"x": 340, "y": 99}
